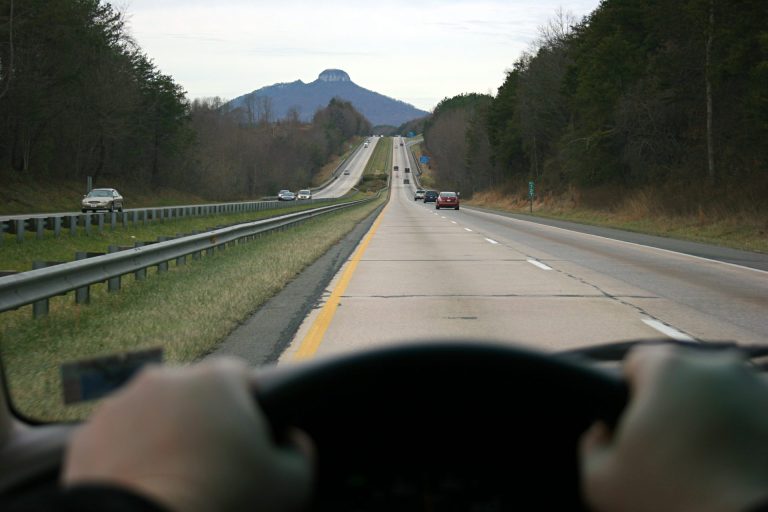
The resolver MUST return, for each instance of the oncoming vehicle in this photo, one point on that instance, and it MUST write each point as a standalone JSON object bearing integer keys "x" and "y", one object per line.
{"x": 447, "y": 200}
{"x": 418, "y": 195}
{"x": 288, "y": 196}
{"x": 305, "y": 194}
{"x": 102, "y": 199}
{"x": 281, "y": 196}
{"x": 430, "y": 196}
{"x": 346, "y": 172}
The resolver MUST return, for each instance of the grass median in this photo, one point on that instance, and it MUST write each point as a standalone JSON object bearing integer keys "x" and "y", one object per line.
{"x": 186, "y": 311}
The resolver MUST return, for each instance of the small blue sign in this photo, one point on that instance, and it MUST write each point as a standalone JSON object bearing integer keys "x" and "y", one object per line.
{"x": 411, "y": 135}
{"x": 423, "y": 159}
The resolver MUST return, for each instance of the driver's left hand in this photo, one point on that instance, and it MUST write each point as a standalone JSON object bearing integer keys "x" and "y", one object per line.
{"x": 192, "y": 439}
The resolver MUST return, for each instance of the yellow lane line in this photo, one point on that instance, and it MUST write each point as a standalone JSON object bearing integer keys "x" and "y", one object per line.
{"x": 314, "y": 337}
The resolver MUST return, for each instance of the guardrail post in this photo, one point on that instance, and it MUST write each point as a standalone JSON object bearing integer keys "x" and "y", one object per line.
{"x": 154, "y": 214}
{"x": 124, "y": 219}
{"x": 112, "y": 221}
{"x": 57, "y": 227}
{"x": 2, "y": 232}
{"x": 113, "y": 283}
{"x": 82, "y": 295}
{"x": 163, "y": 265}
{"x": 101, "y": 222}
{"x": 140, "y": 274}
{"x": 39, "y": 228}
{"x": 73, "y": 225}
{"x": 20, "y": 226}
{"x": 88, "y": 224}
{"x": 40, "y": 307}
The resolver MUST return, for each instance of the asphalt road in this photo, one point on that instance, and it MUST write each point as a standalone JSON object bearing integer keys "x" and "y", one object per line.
{"x": 468, "y": 274}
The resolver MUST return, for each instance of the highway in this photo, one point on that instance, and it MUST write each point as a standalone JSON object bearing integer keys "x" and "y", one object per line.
{"x": 421, "y": 274}
{"x": 345, "y": 182}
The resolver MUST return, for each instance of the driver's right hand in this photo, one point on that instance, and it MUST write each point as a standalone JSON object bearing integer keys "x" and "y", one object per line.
{"x": 694, "y": 437}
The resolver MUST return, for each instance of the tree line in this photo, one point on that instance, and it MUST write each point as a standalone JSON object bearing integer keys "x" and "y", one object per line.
{"x": 78, "y": 97}
{"x": 637, "y": 93}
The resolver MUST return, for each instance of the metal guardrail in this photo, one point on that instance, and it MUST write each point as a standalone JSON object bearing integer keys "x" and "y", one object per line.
{"x": 71, "y": 222}
{"x": 37, "y": 286}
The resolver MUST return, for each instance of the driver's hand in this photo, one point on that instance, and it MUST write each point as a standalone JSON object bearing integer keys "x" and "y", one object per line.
{"x": 694, "y": 437}
{"x": 193, "y": 440}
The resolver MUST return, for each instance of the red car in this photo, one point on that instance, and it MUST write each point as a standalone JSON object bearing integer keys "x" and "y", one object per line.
{"x": 447, "y": 200}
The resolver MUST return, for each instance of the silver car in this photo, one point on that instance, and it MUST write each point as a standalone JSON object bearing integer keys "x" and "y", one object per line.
{"x": 305, "y": 194}
{"x": 102, "y": 199}
{"x": 419, "y": 195}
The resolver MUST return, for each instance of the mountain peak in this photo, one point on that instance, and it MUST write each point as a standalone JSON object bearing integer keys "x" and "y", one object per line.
{"x": 334, "y": 75}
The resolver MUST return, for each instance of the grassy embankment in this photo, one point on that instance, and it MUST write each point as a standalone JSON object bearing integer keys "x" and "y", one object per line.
{"x": 325, "y": 173}
{"x": 30, "y": 195}
{"x": 378, "y": 166}
{"x": 642, "y": 211}
{"x": 427, "y": 178}
{"x": 187, "y": 311}
{"x": 19, "y": 256}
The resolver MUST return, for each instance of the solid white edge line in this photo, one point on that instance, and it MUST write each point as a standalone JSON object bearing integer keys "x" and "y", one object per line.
{"x": 494, "y": 242}
{"x": 538, "y": 264}
{"x": 467, "y": 229}
{"x": 667, "y": 330}
{"x": 624, "y": 241}
{"x": 454, "y": 222}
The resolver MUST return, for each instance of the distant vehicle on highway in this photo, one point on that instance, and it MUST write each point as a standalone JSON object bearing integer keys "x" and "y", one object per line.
{"x": 447, "y": 200}
{"x": 406, "y": 181}
{"x": 346, "y": 172}
{"x": 430, "y": 196}
{"x": 289, "y": 196}
{"x": 401, "y": 143}
{"x": 397, "y": 168}
{"x": 305, "y": 194}
{"x": 102, "y": 199}
{"x": 366, "y": 145}
{"x": 281, "y": 195}
{"x": 418, "y": 195}
{"x": 407, "y": 169}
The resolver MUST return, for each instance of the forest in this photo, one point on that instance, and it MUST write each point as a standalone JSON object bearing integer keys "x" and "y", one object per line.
{"x": 666, "y": 94}
{"x": 78, "y": 98}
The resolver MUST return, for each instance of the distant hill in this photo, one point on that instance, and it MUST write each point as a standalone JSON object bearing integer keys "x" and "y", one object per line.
{"x": 307, "y": 98}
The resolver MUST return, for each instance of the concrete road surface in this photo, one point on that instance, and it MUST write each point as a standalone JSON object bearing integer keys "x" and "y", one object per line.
{"x": 345, "y": 182}
{"x": 422, "y": 274}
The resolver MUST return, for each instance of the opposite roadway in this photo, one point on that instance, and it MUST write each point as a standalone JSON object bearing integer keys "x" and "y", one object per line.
{"x": 423, "y": 274}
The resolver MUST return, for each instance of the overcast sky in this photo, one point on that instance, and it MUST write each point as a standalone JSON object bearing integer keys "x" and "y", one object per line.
{"x": 416, "y": 51}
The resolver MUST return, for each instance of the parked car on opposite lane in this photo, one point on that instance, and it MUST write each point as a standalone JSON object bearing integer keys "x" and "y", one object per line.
{"x": 102, "y": 199}
{"x": 447, "y": 200}
{"x": 418, "y": 195}
{"x": 305, "y": 194}
{"x": 430, "y": 196}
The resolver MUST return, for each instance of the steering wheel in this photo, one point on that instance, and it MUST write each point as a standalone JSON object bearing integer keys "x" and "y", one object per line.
{"x": 444, "y": 425}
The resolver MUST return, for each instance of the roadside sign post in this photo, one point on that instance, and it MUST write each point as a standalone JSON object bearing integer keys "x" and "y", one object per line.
{"x": 531, "y": 193}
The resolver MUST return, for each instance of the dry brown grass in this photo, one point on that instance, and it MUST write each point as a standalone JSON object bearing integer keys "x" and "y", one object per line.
{"x": 645, "y": 210}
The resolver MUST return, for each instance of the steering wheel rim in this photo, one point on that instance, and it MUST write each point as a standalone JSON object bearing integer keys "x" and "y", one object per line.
{"x": 471, "y": 388}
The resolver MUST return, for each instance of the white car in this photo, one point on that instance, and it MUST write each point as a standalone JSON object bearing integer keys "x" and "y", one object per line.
{"x": 304, "y": 194}
{"x": 346, "y": 172}
{"x": 419, "y": 195}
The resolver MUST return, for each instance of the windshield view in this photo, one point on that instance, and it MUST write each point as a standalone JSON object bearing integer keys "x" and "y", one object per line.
{"x": 462, "y": 223}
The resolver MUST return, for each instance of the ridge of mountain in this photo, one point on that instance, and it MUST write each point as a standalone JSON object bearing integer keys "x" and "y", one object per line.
{"x": 307, "y": 98}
